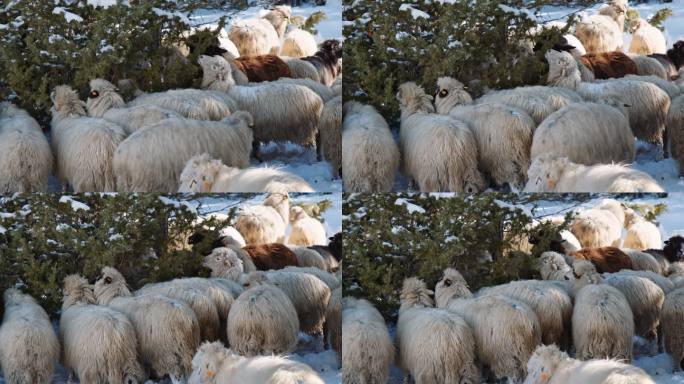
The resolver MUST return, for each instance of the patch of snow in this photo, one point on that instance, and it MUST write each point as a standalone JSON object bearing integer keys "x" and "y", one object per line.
{"x": 75, "y": 205}
{"x": 409, "y": 206}
{"x": 415, "y": 13}
{"x": 67, "y": 15}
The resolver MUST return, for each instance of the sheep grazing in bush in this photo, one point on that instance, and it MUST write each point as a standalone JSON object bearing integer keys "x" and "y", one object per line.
{"x": 609, "y": 65}
{"x": 327, "y": 61}
{"x": 520, "y": 332}
{"x": 152, "y": 159}
{"x": 370, "y": 156}
{"x": 596, "y": 228}
{"x": 503, "y": 134}
{"x": 281, "y": 111}
{"x": 215, "y": 364}
{"x": 305, "y": 230}
{"x": 550, "y": 173}
{"x": 672, "y": 318}
{"x": 279, "y": 17}
{"x": 193, "y": 104}
{"x": 254, "y": 37}
{"x": 368, "y": 350}
{"x": 440, "y": 152}
{"x": 648, "y": 66}
{"x": 645, "y": 298}
{"x": 674, "y": 131}
{"x": 105, "y": 102}
{"x": 605, "y": 259}
{"x": 203, "y": 174}
{"x": 265, "y": 223}
{"x": 84, "y": 147}
{"x": 673, "y": 60}
{"x": 434, "y": 345}
{"x": 330, "y": 130}
{"x": 554, "y": 267}
{"x": 262, "y": 321}
{"x": 538, "y": 101}
{"x": 648, "y": 104}
{"x": 333, "y": 323}
{"x": 647, "y": 39}
{"x": 602, "y": 323}
{"x": 550, "y": 365}
{"x": 28, "y": 345}
{"x": 298, "y": 43}
{"x": 271, "y": 256}
{"x": 100, "y": 344}
{"x": 641, "y": 233}
{"x": 167, "y": 329}
{"x": 642, "y": 261}
{"x": 602, "y": 32}
{"x": 25, "y": 155}
{"x": 550, "y": 303}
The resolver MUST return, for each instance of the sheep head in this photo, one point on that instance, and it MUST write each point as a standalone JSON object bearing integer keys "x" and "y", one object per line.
{"x": 676, "y": 54}
{"x": 65, "y": 103}
{"x": 414, "y": 294}
{"x": 616, "y": 101}
{"x": 631, "y": 217}
{"x": 452, "y": 285}
{"x": 553, "y": 266}
{"x": 217, "y": 74}
{"x": 297, "y": 213}
{"x": 545, "y": 172}
{"x": 281, "y": 203}
{"x": 110, "y": 284}
{"x": 225, "y": 263}
{"x": 563, "y": 70}
{"x": 102, "y": 97}
{"x": 207, "y": 362}
{"x": 413, "y": 99}
{"x": 241, "y": 117}
{"x": 14, "y": 296}
{"x": 254, "y": 279}
{"x": 674, "y": 249}
{"x": 199, "y": 174}
{"x": 450, "y": 93}
{"x": 543, "y": 363}
{"x": 77, "y": 290}
{"x": 585, "y": 274}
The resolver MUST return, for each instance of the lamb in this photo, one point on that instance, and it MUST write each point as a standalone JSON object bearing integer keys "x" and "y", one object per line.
{"x": 330, "y": 129}
{"x": 305, "y": 230}
{"x": 333, "y": 323}
{"x": 215, "y": 364}
{"x": 265, "y": 223}
{"x": 503, "y": 134}
{"x": 434, "y": 345}
{"x": 645, "y": 298}
{"x": 279, "y": 17}
{"x": 641, "y": 233}
{"x": 648, "y": 104}
{"x": 554, "y": 267}
{"x": 167, "y": 329}
{"x": 642, "y": 261}
{"x": 602, "y": 33}
{"x": 271, "y": 256}
{"x": 674, "y": 131}
{"x": 114, "y": 356}
{"x": 152, "y": 159}
{"x": 520, "y": 332}
{"x": 327, "y": 61}
{"x": 84, "y": 147}
{"x": 202, "y": 174}
{"x": 370, "y": 156}
{"x": 585, "y": 133}
{"x": 254, "y": 37}
{"x": 608, "y": 65}
{"x": 605, "y": 259}
{"x": 105, "y": 102}
{"x": 28, "y": 345}
{"x": 596, "y": 228}
{"x": 298, "y": 43}
{"x": 648, "y": 66}
{"x": 671, "y": 318}
{"x": 368, "y": 350}
{"x": 25, "y": 155}
{"x": 672, "y": 60}
{"x": 647, "y": 39}
{"x": 550, "y": 365}
{"x": 276, "y": 116}
{"x": 549, "y": 173}
{"x": 307, "y": 257}
{"x": 263, "y": 321}
{"x": 193, "y": 104}
{"x": 440, "y": 152}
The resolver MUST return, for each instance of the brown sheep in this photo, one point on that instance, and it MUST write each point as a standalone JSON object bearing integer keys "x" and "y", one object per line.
{"x": 263, "y": 68}
{"x": 609, "y": 64}
{"x": 605, "y": 259}
{"x": 271, "y": 256}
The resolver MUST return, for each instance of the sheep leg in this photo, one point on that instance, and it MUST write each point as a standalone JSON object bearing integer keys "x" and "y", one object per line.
{"x": 319, "y": 148}
{"x": 177, "y": 379}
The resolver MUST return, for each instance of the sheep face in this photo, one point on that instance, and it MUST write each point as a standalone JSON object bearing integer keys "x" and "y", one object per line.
{"x": 450, "y": 93}
{"x": 563, "y": 69}
{"x": 543, "y": 364}
{"x": 676, "y": 54}
{"x": 110, "y": 285}
{"x": 254, "y": 279}
{"x": 297, "y": 213}
{"x": 674, "y": 249}
{"x": 199, "y": 174}
{"x": 207, "y": 362}
{"x": 545, "y": 172}
{"x": 585, "y": 273}
{"x": 223, "y": 262}
{"x": 452, "y": 285}
{"x": 216, "y": 73}
{"x": 102, "y": 97}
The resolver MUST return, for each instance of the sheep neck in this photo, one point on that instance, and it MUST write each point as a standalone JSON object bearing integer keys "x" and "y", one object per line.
{"x": 107, "y": 100}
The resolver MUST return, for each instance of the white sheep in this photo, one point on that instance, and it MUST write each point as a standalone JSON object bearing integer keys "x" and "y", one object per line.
{"x": 642, "y": 261}
{"x": 674, "y": 131}
{"x": 25, "y": 155}
{"x": 553, "y": 266}
{"x": 224, "y": 263}
{"x": 672, "y": 318}
{"x": 298, "y": 43}
{"x": 254, "y": 37}
{"x": 202, "y": 174}
{"x": 520, "y": 332}
{"x": 596, "y": 228}
{"x": 105, "y": 102}
{"x": 503, "y": 133}
{"x": 647, "y": 39}
{"x": 648, "y": 66}
{"x": 434, "y": 345}
{"x": 301, "y": 69}
{"x": 333, "y": 322}
{"x": 550, "y": 173}
{"x": 193, "y": 104}
{"x": 265, "y": 223}
{"x": 641, "y": 233}
{"x": 113, "y": 358}
{"x": 668, "y": 87}
{"x": 330, "y": 129}
{"x": 440, "y": 152}
{"x": 665, "y": 284}
{"x": 279, "y": 17}
{"x": 262, "y": 321}
{"x": 84, "y": 147}
{"x": 307, "y": 257}
{"x": 281, "y": 111}
{"x": 326, "y": 93}
{"x": 152, "y": 159}
{"x": 337, "y": 86}
{"x": 645, "y": 298}
{"x": 550, "y": 365}
{"x": 215, "y": 364}
{"x": 647, "y": 103}
{"x": 370, "y": 156}
{"x": 29, "y": 347}
{"x": 305, "y": 230}
{"x": 615, "y": 207}
{"x": 168, "y": 330}
{"x": 368, "y": 350}
{"x": 601, "y": 33}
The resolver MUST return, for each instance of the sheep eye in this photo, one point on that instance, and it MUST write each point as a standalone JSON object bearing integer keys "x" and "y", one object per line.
{"x": 447, "y": 283}
{"x": 443, "y": 93}
{"x": 108, "y": 280}
{"x": 469, "y": 190}
{"x": 94, "y": 94}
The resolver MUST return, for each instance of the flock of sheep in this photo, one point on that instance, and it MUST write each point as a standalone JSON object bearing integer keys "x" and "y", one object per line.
{"x": 260, "y": 295}
{"x": 594, "y": 297}
{"x": 249, "y": 95}
{"x": 576, "y": 134}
